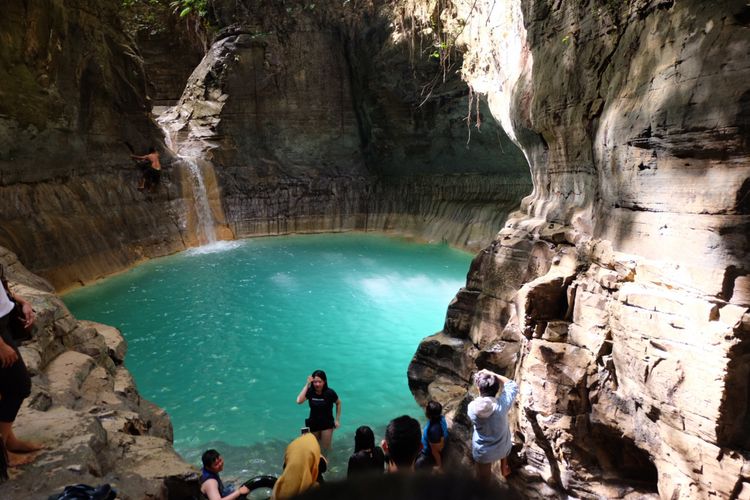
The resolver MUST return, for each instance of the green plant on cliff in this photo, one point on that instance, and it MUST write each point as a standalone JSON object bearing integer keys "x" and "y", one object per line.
{"x": 185, "y": 8}
{"x": 148, "y": 13}
{"x": 160, "y": 16}
{"x": 142, "y": 15}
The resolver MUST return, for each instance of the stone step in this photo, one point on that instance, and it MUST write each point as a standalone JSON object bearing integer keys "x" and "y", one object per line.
{"x": 66, "y": 374}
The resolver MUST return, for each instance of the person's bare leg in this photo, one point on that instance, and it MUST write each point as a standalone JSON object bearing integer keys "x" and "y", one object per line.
{"x": 17, "y": 459}
{"x": 326, "y": 437}
{"x": 484, "y": 472}
{"x": 317, "y": 435}
{"x": 12, "y": 443}
{"x": 504, "y": 467}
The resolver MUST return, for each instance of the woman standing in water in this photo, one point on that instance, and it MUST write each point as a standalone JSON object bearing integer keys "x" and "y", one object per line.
{"x": 321, "y": 399}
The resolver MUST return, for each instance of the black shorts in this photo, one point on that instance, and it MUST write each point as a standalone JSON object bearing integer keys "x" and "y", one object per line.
{"x": 152, "y": 175}
{"x": 317, "y": 425}
{"x": 15, "y": 383}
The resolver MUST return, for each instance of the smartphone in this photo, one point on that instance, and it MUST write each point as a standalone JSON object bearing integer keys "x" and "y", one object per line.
{"x": 304, "y": 430}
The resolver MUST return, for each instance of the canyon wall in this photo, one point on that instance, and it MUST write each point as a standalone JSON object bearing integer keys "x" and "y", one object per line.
{"x": 303, "y": 119}
{"x": 618, "y": 295}
{"x": 72, "y": 106}
{"x": 313, "y": 120}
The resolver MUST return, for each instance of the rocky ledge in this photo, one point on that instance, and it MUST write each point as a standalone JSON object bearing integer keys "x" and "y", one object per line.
{"x": 618, "y": 297}
{"x": 85, "y": 409}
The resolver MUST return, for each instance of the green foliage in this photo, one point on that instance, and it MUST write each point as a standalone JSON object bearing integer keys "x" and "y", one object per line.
{"x": 142, "y": 14}
{"x": 184, "y": 8}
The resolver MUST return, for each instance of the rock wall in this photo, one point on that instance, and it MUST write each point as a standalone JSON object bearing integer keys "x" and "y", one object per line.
{"x": 331, "y": 103}
{"x": 85, "y": 409}
{"x": 72, "y": 103}
{"x": 312, "y": 121}
{"x": 170, "y": 47}
{"x": 618, "y": 295}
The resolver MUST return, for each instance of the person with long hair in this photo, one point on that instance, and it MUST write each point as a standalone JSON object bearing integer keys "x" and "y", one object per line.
{"x": 321, "y": 399}
{"x": 367, "y": 458}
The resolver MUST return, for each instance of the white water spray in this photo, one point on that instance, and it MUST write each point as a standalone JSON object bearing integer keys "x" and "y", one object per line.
{"x": 206, "y": 231}
{"x": 200, "y": 197}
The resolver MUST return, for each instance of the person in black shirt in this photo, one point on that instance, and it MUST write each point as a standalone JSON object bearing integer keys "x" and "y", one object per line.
{"x": 321, "y": 399}
{"x": 367, "y": 458}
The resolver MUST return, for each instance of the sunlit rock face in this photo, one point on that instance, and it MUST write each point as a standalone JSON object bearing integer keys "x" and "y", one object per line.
{"x": 85, "y": 409}
{"x": 72, "y": 98}
{"x": 618, "y": 295}
{"x": 316, "y": 119}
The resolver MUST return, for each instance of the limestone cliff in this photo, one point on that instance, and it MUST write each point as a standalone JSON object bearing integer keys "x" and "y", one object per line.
{"x": 72, "y": 103}
{"x": 85, "y": 409}
{"x": 314, "y": 118}
{"x": 313, "y": 121}
{"x": 618, "y": 295}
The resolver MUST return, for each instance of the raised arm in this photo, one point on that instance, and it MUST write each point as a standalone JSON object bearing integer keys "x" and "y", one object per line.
{"x": 302, "y": 396}
{"x": 503, "y": 379}
{"x": 510, "y": 391}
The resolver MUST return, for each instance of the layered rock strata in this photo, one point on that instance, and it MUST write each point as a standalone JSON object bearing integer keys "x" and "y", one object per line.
{"x": 85, "y": 409}
{"x": 72, "y": 109}
{"x": 617, "y": 296}
{"x": 312, "y": 121}
{"x": 334, "y": 104}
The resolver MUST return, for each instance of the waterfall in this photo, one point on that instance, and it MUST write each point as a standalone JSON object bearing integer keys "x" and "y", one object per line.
{"x": 200, "y": 197}
{"x": 206, "y": 232}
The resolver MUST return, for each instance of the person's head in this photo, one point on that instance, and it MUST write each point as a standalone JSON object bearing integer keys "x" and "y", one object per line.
{"x": 433, "y": 411}
{"x": 403, "y": 441}
{"x": 302, "y": 462}
{"x": 319, "y": 380}
{"x": 364, "y": 439}
{"x": 212, "y": 461}
{"x": 487, "y": 384}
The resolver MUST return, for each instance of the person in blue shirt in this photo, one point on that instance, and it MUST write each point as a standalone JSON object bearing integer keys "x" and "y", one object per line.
{"x": 434, "y": 437}
{"x": 491, "y": 440}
